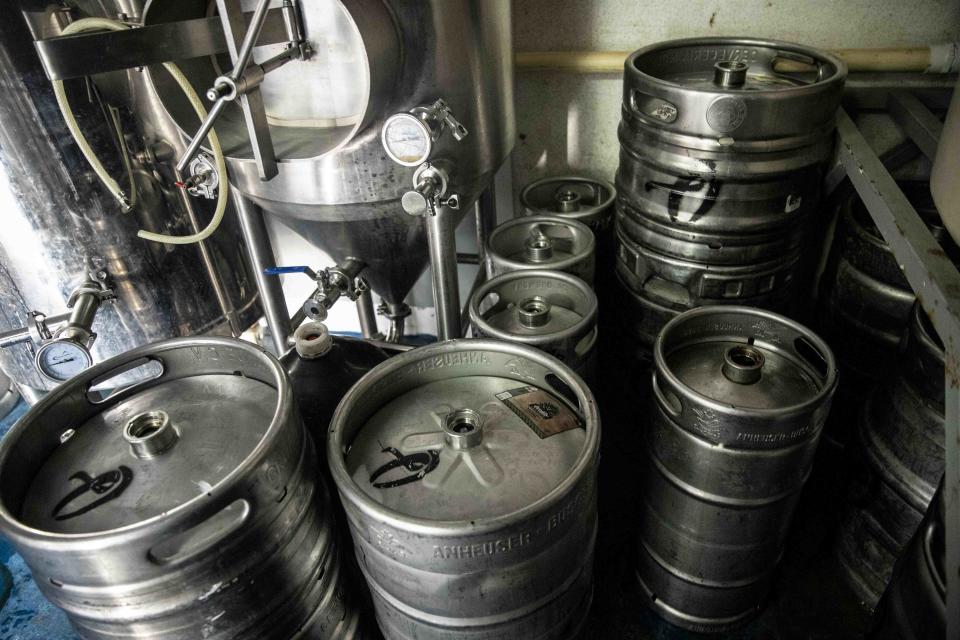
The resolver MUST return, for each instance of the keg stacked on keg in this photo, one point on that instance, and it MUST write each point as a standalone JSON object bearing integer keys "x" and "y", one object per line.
{"x": 865, "y": 300}
{"x": 722, "y": 155}
{"x": 741, "y": 395}
{"x": 900, "y": 449}
{"x": 467, "y": 469}
{"x": 187, "y": 506}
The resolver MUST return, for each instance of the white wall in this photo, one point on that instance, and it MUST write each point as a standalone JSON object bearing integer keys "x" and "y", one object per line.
{"x": 571, "y": 121}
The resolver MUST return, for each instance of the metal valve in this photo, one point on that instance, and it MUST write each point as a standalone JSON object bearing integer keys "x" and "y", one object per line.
{"x": 429, "y": 192}
{"x": 332, "y": 284}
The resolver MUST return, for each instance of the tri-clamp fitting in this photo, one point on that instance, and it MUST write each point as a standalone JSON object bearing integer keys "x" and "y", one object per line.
{"x": 429, "y": 192}
{"x": 332, "y": 284}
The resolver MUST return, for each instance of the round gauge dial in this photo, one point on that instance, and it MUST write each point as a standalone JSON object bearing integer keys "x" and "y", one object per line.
{"x": 407, "y": 139}
{"x": 60, "y": 360}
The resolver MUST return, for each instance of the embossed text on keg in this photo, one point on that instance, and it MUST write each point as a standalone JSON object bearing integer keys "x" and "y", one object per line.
{"x": 774, "y": 437}
{"x": 453, "y": 360}
{"x": 518, "y": 540}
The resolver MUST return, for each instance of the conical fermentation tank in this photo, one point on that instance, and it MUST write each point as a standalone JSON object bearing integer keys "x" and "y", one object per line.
{"x": 337, "y": 185}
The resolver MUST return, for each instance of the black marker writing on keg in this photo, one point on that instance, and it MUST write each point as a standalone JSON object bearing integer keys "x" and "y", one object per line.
{"x": 107, "y": 485}
{"x": 420, "y": 463}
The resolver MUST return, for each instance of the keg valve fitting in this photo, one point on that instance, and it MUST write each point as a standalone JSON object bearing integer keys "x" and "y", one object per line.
{"x": 742, "y": 364}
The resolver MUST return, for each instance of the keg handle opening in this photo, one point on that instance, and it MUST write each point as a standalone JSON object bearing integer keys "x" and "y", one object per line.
{"x": 146, "y": 369}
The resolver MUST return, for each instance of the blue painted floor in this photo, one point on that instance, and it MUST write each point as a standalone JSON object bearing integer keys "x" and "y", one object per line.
{"x": 26, "y": 615}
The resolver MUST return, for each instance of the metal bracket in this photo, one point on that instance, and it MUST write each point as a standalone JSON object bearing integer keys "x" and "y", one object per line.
{"x": 936, "y": 283}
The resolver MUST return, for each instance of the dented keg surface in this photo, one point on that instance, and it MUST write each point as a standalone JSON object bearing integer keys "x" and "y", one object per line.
{"x": 914, "y": 605}
{"x": 550, "y": 310}
{"x": 865, "y": 300}
{"x": 542, "y": 242}
{"x": 741, "y": 395}
{"x": 900, "y": 451}
{"x": 468, "y": 472}
{"x": 185, "y": 506}
{"x": 722, "y": 153}
{"x": 582, "y": 199}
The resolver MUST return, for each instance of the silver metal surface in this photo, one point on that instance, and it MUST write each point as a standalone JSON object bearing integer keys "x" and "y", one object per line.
{"x": 82, "y": 55}
{"x": 59, "y": 225}
{"x": 367, "y": 315}
{"x": 467, "y": 522}
{"x": 913, "y": 606}
{"x": 550, "y": 310}
{"x": 9, "y": 396}
{"x": 261, "y": 256}
{"x": 921, "y": 125}
{"x": 188, "y": 505}
{"x": 582, "y": 199}
{"x": 336, "y": 187}
{"x": 865, "y": 301}
{"x": 901, "y": 452}
{"x": 937, "y": 285}
{"x": 721, "y": 168}
{"x": 442, "y": 243}
{"x": 542, "y": 242}
{"x": 740, "y": 395}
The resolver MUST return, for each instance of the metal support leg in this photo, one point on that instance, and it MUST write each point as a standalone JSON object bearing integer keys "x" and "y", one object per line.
{"x": 919, "y": 123}
{"x": 952, "y": 490}
{"x": 443, "y": 263}
{"x": 261, "y": 256}
{"x": 368, "y": 317}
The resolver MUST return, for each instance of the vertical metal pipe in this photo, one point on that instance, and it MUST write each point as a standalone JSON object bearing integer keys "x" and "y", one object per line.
{"x": 368, "y": 317}
{"x": 951, "y": 488}
{"x": 486, "y": 212}
{"x": 261, "y": 256}
{"x": 443, "y": 265}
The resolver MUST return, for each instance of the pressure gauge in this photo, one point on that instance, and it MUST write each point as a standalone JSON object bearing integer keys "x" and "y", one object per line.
{"x": 60, "y": 360}
{"x": 407, "y": 139}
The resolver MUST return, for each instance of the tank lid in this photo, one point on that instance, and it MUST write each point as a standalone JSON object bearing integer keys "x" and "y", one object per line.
{"x": 172, "y": 441}
{"x": 466, "y": 448}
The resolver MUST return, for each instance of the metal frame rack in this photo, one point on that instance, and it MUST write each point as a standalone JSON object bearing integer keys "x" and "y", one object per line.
{"x": 930, "y": 273}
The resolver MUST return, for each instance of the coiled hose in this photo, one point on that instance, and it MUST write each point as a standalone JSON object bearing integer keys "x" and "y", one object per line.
{"x": 102, "y": 24}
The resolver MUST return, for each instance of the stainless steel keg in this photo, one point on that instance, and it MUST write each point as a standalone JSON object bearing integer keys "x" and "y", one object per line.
{"x": 542, "y": 242}
{"x": 900, "y": 450}
{"x": 550, "y": 310}
{"x": 723, "y": 144}
{"x": 582, "y": 199}
{"x": 741, "y": 395}
{"x": 914, "y": 605}
{"x": 186, "y": 506}
{"x": 467, "y": 470}
{"x": 865, "y": 300}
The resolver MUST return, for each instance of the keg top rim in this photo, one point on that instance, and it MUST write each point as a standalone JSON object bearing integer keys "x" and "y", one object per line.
{"x": 632, "y": 68}
{"x": 586, "y": 309}
{"x": 72, "y": 404}
{"x": 535, "y": 364}
{"x": 582, "y": 235}
{"x": 827, "y": 379}
{"x": 540, "y": 189}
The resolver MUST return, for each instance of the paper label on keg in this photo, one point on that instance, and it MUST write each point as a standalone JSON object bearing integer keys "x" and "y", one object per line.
{"x": 541, "y": 410}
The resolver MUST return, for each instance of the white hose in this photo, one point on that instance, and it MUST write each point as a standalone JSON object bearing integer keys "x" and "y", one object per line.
{"x": 100, "y": 24}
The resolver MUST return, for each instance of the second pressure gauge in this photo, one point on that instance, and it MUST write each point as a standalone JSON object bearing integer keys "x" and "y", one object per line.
{"x": 407, "y": 139}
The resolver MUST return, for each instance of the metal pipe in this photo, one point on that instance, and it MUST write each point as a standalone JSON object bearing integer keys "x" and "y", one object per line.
{"x": 18, "y": 336}
{"x": 261, "y": 256}
{"x": 250, "y": 37}
{"x": 223, "y": 299}
{"x": 368, "y": 317}
{"x": 937, "y": 58}
{"x": 201, "y": 135}
{"x": 478, "y": 281}
{"x": 443, "y": 262}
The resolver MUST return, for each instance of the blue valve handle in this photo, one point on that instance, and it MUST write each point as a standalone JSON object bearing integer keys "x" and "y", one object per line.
{"x": 276, "y": 271}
